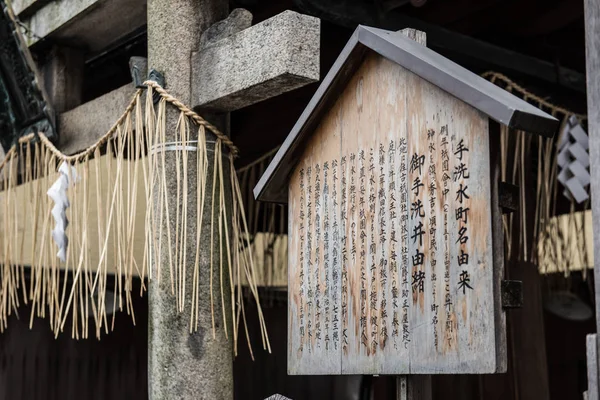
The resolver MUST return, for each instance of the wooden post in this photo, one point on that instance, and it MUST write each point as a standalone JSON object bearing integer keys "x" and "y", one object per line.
{"x": 184, "y": 365}
{"x": 592, "y": 367}
{"x": 413, "y": 387}
{"x": 592, "y": 47}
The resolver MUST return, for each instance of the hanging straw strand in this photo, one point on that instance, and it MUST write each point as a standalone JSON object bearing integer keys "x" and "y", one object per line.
{"x": 98, "y": 186}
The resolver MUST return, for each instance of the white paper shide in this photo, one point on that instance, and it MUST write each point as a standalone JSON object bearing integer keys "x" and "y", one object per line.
{"x": 58, "y": 193}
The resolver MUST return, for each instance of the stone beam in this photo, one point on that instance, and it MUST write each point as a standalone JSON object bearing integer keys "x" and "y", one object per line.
{"x": 84, "y": 125}
{"x": 90, "y": 24}
{"x": 270, "y": 58}
{"x": 27, "y": 7}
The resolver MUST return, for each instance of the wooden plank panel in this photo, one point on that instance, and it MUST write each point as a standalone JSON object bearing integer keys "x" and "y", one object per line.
{"x": 498, "y": 247}
{"x": 414, "y": 208}
{"x": 453, "y": 316}
{"x": 591, "y": 343}
{"x": 356, "y": 287}
{"x": 390, "y": 123}
{"x": 315, "y": 300}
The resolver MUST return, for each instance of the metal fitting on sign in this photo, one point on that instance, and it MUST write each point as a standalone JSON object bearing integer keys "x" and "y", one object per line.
{"x": 512, "y": 294}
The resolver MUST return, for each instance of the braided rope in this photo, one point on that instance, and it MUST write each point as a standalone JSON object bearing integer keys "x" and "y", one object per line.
{"x": 193, "y": 116}
{"x": 493, "y": 76}
{"x": 8, "y": 156}
{"x": 89, "y": 151}
{"x": 258, "y": 160}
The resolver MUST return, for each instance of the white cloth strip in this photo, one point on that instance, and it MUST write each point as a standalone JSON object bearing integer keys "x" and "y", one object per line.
{"x": 179, "y": 146}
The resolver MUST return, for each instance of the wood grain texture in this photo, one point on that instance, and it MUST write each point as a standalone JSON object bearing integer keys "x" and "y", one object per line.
{"x": 592, "y": 43}
{"x": 592, "y": 366}
{"x": 498, "y": 246}
{"x": 406, "y": 304}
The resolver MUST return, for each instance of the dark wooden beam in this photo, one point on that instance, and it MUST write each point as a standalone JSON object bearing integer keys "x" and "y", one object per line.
{"x": 456, "y": 11}
{"x": 451, "y": 44}
{"x": 550, "y": 20}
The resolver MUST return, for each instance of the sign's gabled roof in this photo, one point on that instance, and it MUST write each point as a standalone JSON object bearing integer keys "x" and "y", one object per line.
{"x": 481, "y": 94}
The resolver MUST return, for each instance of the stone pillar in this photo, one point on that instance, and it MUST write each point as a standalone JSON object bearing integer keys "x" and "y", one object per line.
{"x": 63, "y": 77}
{"x": 184, "y": 365}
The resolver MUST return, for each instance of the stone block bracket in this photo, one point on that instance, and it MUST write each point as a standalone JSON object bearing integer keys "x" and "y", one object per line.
{"x": 265, "y": 60}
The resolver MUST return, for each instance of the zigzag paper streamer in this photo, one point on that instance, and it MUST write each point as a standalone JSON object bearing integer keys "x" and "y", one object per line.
{"x": 574, "y": 161}
{"x": 58, "y": 194}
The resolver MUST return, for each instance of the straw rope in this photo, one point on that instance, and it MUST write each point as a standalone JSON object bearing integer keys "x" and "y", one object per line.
{"x": 531, "y": 97}
{"x": 135, "y": 153}
{"x": 194, "y": 116}
{"x": 516, "y": 150}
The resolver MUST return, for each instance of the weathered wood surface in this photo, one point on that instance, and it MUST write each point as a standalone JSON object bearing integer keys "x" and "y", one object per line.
{"x": 592, "y": 366}
{"x": 404, "y": 304}
{"x": 592, "y": 43}
{"x": 497, "y": 246}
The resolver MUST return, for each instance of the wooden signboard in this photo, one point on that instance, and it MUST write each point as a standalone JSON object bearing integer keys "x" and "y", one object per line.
{"x": 390, "y": 260}
{"x": 394, "y": 226}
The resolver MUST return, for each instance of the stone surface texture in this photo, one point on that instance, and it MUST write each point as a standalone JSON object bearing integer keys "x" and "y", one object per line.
{"x": 270, "y": 58}
{"x": 82, "y": 126}
{"x": 184, "y": 365}
{"x": 62, "y": 74}
{"x": 90, "y": 24}
{"x": 237, "y": 21}
{"x": 19, "y": 6}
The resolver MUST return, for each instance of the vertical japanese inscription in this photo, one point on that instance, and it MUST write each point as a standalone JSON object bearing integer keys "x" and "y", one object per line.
{"x": 309, "y": 239}
{"x": 335, "y": 255}
{"x": 393, "y": 243}
{"x": 344, "y": 245}
{"x": 432, "y": 194}
{"x": 383, "y": 255}
{"x": 405, "y": 275}
{"x": 446, "y": 198}
{"x": 373, "y": 288}
{"x": 302, "y": 239}
{"x": 417, "y": 214}
{"x": 317, "y": 262}
{"x": 362, "y": 228}
{"x": 461, "y": 176}
{"x": 385, "y": 235}
{"x": 326, "y": 254}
